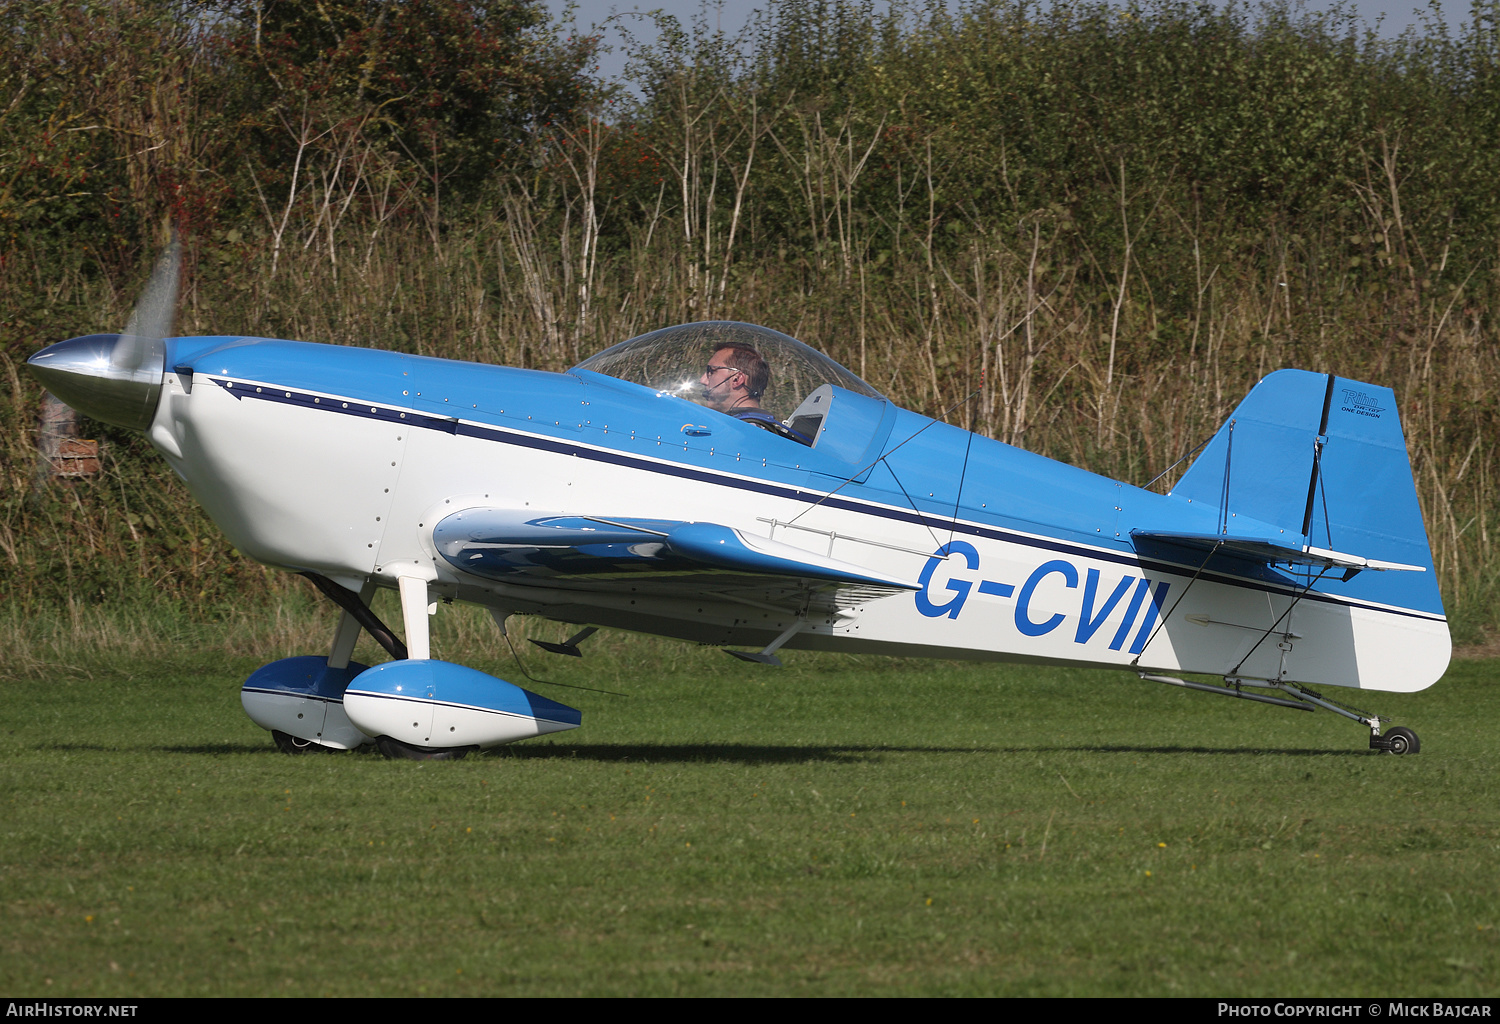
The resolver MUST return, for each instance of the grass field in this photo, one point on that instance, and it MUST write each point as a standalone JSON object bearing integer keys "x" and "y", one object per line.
{"x": 841, "y": 826}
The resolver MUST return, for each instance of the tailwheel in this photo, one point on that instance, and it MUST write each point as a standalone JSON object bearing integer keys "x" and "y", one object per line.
{"x": 398, "y": 751}
{"x": 1402, "y": 740}
{"x": 289, "y": 744}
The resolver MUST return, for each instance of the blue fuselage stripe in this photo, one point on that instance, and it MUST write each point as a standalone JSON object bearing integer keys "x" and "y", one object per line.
{"x": 299, "y": 694}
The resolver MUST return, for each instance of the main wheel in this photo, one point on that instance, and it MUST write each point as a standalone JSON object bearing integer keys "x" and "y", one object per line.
{"x": 289, "y": 744}
{"x": 1403, "y": 741}
{"x": 398, "y": 751}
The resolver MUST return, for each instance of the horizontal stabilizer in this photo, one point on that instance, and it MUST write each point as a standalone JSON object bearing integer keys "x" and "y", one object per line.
{"x": 513, "y": 544}
{"x": 1262, "y": 551}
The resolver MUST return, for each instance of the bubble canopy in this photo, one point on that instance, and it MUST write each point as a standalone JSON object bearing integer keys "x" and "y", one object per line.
{"x": 673, "y": 360}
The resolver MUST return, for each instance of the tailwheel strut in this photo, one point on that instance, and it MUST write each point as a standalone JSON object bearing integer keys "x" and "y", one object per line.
{"x": 1397, "y": 740}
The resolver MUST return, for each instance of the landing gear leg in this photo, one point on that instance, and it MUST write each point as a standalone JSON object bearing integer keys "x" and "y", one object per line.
{"x": 414, "y": 612}
{"x": 358, "y": 608}
{"x": 347, "y": 634}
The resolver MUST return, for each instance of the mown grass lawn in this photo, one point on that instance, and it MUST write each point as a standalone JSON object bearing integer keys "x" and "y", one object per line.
{"x": 843, "y": 826}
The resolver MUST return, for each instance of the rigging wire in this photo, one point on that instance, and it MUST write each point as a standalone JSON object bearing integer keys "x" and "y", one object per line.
{"x": 1189, "y": 454}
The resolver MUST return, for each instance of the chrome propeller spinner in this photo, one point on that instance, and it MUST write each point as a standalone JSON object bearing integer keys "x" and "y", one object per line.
{"x": 117, "y": 378}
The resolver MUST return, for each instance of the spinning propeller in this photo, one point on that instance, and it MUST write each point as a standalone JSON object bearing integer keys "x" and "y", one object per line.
{"x": 117, "y": 378}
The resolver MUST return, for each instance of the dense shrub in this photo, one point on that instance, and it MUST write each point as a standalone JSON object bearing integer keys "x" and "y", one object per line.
{"x": 1121, "y": 216}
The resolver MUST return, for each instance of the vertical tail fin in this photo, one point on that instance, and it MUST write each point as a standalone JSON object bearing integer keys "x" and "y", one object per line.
{"x": 1323, "y": 456}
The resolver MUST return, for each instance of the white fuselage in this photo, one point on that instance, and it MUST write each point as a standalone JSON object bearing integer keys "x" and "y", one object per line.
{"x": 302, "y": 484}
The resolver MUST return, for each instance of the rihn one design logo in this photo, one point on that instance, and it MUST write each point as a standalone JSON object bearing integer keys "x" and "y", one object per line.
{"x": 1361, "y": 404}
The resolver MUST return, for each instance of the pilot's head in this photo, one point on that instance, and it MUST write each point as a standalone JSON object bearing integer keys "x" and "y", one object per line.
{"x": 735, "y": 378}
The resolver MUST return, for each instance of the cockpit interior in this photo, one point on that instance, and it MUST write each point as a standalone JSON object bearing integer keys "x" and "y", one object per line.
{"x": 802, "y": 383}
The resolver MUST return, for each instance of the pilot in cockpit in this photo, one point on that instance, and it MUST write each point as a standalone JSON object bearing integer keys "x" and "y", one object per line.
{"x": 734, "y": 380}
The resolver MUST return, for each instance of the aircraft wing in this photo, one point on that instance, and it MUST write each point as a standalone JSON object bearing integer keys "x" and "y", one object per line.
{"x": 1262, "y": 551}
{"x": 655, "y": 557}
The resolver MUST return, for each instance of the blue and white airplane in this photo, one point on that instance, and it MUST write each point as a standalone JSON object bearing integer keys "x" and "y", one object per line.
{"x": 670, "y": 485}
